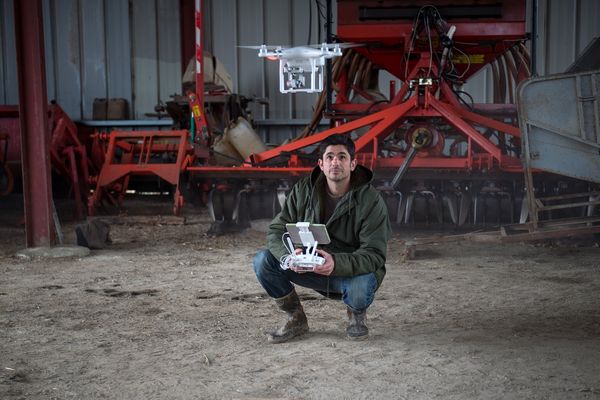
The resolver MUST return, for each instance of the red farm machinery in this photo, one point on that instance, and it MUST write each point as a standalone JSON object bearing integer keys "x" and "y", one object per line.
{"x": 437, "y": 156}
{"x": 68, "y": 154}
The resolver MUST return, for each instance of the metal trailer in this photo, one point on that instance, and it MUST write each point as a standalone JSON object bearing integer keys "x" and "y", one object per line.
{"x": 560, "y": 119}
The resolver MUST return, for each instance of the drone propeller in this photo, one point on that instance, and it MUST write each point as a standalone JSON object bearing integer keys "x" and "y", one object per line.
{"x": 262, "y": 47}
{"x": 340, "y": 45}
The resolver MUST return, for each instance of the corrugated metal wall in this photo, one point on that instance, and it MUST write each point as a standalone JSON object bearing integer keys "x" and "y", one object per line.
{"x": 566, "y": 28}
{"x": 131, "y": 49}
{"x": 8, "y": 74}
{"x": 102, "y": 49}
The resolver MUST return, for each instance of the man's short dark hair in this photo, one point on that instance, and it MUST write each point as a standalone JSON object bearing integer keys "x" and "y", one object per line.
{"x": 338, "y": 139}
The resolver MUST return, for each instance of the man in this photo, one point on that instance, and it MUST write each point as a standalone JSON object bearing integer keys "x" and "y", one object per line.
{"x": 338, "y": 193}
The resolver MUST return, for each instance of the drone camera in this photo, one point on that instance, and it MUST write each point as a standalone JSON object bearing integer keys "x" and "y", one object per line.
{"x": 296, "y": 82}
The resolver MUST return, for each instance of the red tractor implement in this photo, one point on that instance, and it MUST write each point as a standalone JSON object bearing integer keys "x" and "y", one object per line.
{"x": 437, "y": 156}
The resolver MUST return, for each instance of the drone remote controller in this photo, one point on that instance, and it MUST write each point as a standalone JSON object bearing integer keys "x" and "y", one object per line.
{"x": 304, "y": 232}
{"x": 306, "y": 262}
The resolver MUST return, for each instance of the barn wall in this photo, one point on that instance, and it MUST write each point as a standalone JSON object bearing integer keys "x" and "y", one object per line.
{"x": 131, "y": 49}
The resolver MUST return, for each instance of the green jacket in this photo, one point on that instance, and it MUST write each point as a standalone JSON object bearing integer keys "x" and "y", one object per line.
{"x": 359, "y": 227}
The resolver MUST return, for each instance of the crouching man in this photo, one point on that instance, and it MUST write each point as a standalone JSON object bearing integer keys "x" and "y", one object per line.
{"x": 339, "y": 194}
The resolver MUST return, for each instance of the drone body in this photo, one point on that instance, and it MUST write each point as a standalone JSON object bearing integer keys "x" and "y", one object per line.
{"x": 301, "y": 67}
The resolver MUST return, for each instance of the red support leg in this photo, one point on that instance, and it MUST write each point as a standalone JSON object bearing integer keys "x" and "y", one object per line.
{"x": 33, "y": 111}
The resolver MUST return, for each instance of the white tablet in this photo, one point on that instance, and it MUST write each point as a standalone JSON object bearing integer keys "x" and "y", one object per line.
{"x": 302, "y": 229}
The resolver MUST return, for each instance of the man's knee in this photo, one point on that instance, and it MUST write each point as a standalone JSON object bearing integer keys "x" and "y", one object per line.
{"x": 360, "y": 291}
{"x": 262, "y": 261}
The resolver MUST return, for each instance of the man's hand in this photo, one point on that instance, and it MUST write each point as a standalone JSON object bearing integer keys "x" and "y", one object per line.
{"x": 328, "y": 265}
{"x": 325, "y": 269}
{"x": 293, "y": 267}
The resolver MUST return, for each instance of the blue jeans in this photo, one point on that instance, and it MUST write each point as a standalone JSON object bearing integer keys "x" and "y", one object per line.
{"x": 357, "y": 292}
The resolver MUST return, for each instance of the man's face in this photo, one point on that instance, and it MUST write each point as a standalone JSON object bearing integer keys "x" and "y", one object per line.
{"x": 336, "y": 163}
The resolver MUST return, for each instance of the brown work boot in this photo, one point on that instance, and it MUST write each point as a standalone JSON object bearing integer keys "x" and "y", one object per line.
{"x": 296, "y": 323}
{"x": 357, "y": 330}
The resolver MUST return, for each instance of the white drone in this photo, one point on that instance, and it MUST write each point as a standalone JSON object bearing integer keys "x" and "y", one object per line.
{"x": 296, "y": 64}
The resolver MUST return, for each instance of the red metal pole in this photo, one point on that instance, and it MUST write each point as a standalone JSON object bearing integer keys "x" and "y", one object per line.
{"x": 35, "y": 132}
{"x": 199, "y": 54}
{"x": 197, "y": 99}
{"x": 188, "y": 44}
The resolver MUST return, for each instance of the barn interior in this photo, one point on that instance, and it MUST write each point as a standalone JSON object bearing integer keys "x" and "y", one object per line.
{"x": 145, "y": 147}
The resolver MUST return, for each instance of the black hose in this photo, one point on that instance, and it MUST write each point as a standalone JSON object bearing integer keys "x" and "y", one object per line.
{"x": 458, "y": 94}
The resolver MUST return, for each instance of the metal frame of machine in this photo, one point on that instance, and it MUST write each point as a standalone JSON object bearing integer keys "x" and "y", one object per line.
{"x": 423, "y": 49}
{"x": 428, "y": 147}
{"x": 68, "y": 155}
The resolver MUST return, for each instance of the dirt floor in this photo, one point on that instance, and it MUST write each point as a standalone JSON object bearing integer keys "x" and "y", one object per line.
{"x": 167, "y": 312}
